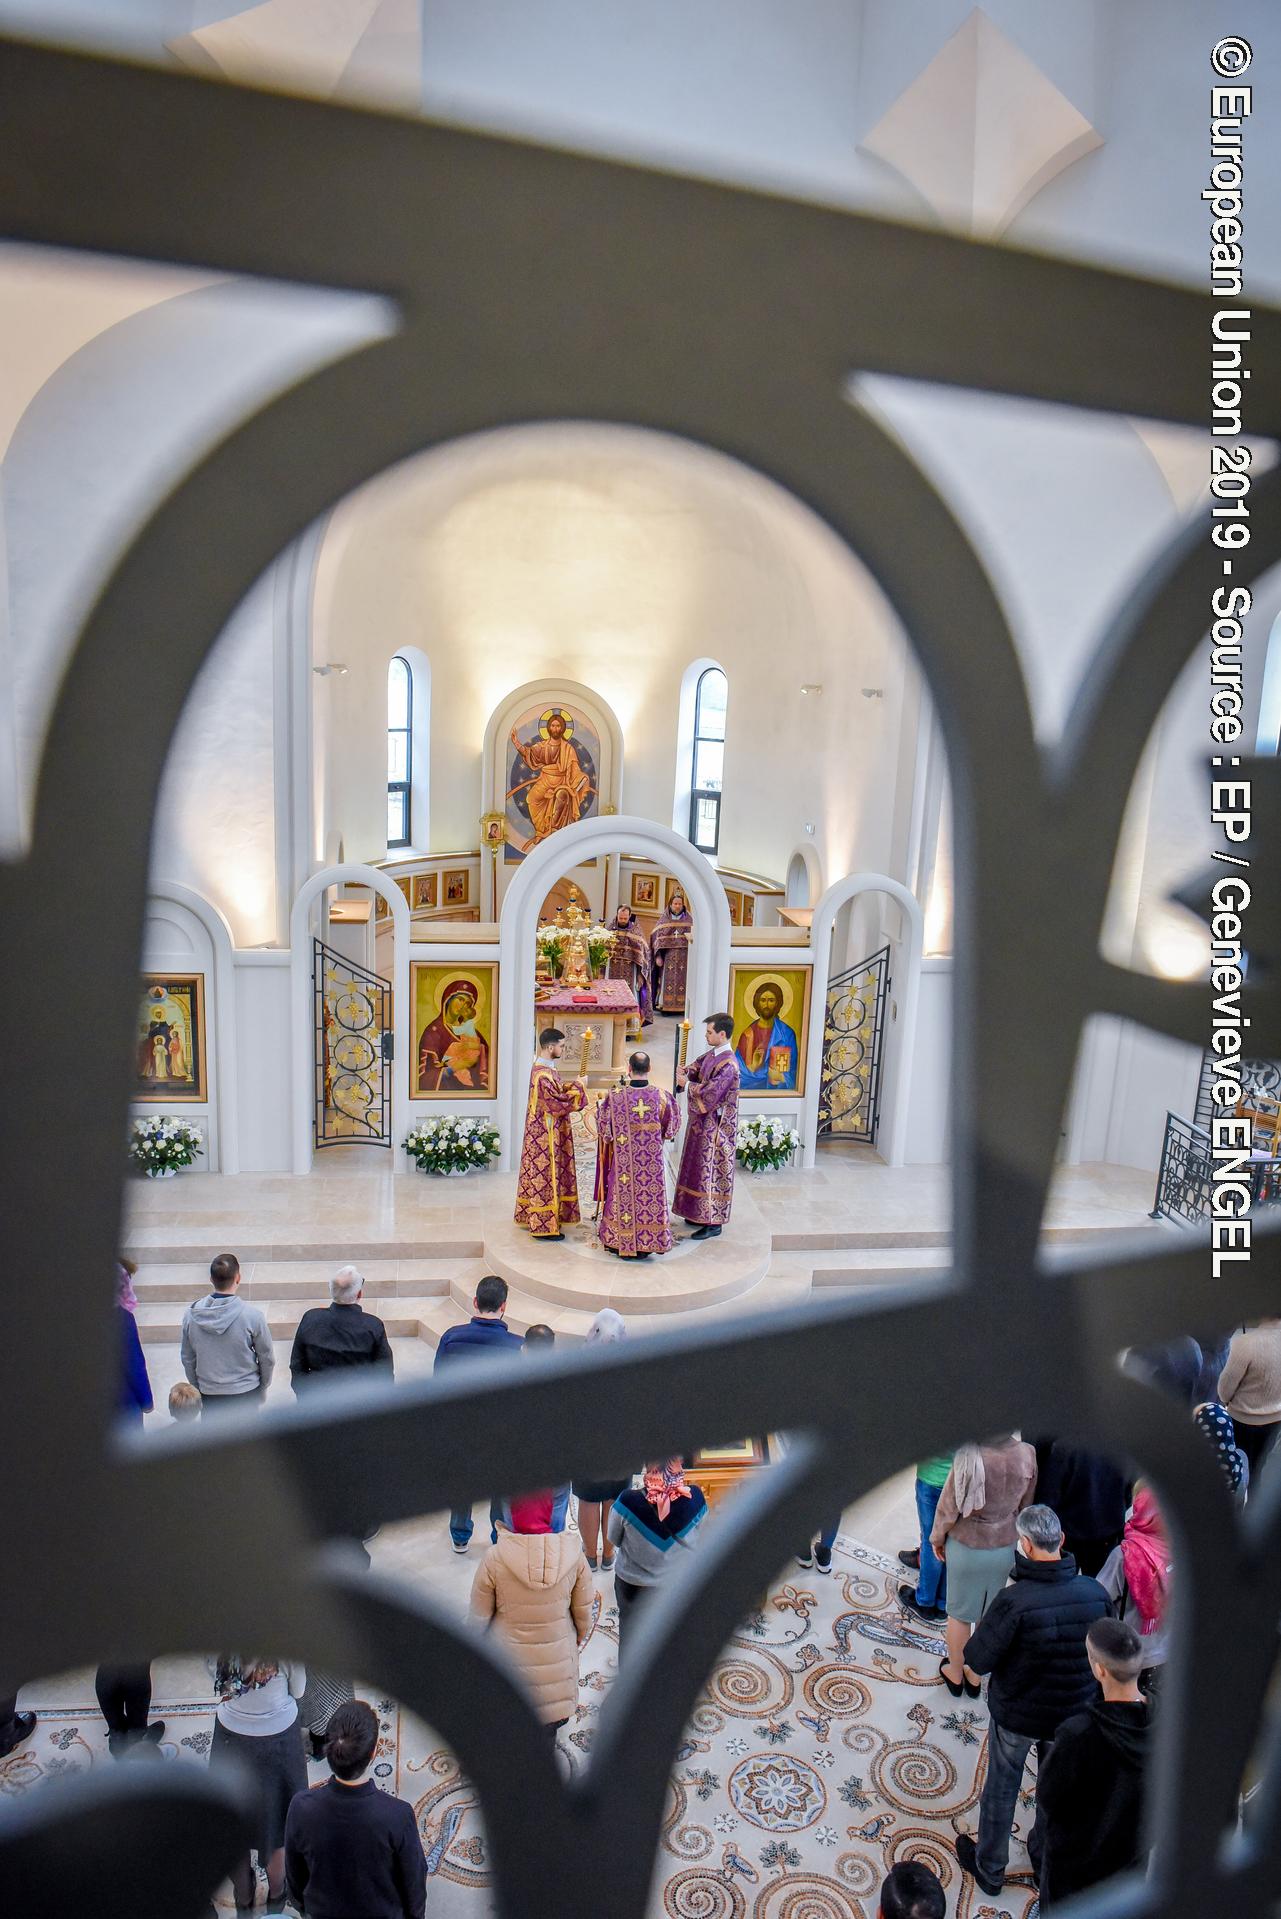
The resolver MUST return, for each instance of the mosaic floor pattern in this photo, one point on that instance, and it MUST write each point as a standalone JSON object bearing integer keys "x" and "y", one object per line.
{"x": 824, "y": 1749}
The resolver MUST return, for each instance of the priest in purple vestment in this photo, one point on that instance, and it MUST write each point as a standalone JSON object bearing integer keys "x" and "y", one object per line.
{"x": 632, "y": 1124}
{"x": 705, "y": 1183}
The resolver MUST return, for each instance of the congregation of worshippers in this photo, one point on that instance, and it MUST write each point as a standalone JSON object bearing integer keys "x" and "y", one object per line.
{"x": 1046, "y": 1568}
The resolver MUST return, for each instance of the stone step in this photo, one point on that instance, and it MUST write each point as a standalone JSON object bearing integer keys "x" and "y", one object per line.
{"x": 305, "y": 1281}
{"x": 161, "y": 1324}
{"x": 160, "y": 1246}
{"x": 568, "y": 1323}
{"x": 863, "y": 1265}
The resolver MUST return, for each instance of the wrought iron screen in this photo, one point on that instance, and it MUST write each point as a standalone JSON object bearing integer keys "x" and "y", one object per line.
{"x": 353, "y": 1051}
{"x": 849, "y": 1100}
{"x": 1185, "y": 1177}
{"x": 536, "y": 284}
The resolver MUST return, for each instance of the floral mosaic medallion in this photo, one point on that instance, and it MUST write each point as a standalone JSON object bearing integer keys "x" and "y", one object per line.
{"x": 822, "y": 1750}
{"x": 780, "y": 1792}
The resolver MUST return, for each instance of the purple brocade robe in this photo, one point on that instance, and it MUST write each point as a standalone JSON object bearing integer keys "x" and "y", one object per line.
{"x": 631, "y": 1125}
{"x": 705, "y": 1183}
{"x": 547, "y": 1187}
{"x": 629, "y": 960}
{"x": 669, "y": 958}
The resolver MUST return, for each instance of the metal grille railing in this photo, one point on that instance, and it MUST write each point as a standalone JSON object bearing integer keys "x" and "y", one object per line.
{"x": 731, "y": 318}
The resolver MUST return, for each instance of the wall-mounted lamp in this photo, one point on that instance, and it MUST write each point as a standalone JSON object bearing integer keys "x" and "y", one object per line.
{"x": 330, "y": 666}
{"x": 872, "y": 692}
{"x": 809, "y": 827}
{"x": 815, "y": 692}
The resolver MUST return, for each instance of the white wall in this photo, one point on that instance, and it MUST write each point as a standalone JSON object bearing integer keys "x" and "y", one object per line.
{"x": 614, "y": 557}
{"x": 263, "y": 1016}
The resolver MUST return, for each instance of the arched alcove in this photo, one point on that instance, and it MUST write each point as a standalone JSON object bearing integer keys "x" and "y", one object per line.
{"x": 709, "y": 952}
{"x": 302, "y": 1020}
{"x": 185, "y": 932}
{"x": 804, "y": 880}
{"x": 900, "y": 1036}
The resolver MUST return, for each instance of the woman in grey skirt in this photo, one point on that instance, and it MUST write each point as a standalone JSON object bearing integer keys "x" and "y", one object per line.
{"x": 256, "y": 1727}
{"x": 973, "y": 1533}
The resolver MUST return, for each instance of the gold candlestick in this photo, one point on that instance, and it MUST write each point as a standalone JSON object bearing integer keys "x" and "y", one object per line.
{"x": 583, "y": 1051}
{"x": 681, "y": 1051}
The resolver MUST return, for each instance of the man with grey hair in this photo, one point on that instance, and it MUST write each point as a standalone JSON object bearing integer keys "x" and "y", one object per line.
{"x": 334, "y": 1337}
{"x": 1031, "y": 1640}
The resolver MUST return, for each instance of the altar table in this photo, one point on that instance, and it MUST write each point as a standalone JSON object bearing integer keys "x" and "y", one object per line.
{"x": 611, "y": 1012}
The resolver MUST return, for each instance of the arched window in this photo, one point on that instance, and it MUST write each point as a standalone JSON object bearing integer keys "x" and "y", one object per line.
{"x": 710, "y": 699}
{"x": 400, "y": 751}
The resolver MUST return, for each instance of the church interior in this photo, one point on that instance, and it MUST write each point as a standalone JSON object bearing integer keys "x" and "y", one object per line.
{"x": 573, "y": 719}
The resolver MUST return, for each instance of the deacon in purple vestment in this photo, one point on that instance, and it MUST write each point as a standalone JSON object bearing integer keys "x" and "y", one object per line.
{"x": 705, "y": 1183}
{"x": 632, "y": 1124}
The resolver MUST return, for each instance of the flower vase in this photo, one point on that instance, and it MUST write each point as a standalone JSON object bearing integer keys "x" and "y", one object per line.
{"x": 457, "y": 1172}
{"x": 161, "y": 1172}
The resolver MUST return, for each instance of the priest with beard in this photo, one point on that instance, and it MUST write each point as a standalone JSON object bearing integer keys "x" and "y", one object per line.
{"x": 705, "y": 1182}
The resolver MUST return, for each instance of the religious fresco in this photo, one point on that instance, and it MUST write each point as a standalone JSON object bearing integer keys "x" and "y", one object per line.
{"x": 455, "y": 1029}
{"x": 553, "y": 776}
{"x": 771, "y": 1011}
{"x": 170, "y": 1034}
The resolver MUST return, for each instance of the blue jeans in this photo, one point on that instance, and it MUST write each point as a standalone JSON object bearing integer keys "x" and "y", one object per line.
{"x": 460, "y": 1523}
{"x": 1006, "y": 1757}
{"x": 931, "y": 1581}
{"x": 826, "y": 1539}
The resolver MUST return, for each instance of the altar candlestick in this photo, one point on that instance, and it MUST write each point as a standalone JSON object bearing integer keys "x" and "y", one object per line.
{"x": 583, "y": 1051}
{"x": 683, "y": 1050}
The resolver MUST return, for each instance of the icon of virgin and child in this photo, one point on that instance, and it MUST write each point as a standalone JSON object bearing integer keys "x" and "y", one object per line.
{"x": 453, "y": 1053}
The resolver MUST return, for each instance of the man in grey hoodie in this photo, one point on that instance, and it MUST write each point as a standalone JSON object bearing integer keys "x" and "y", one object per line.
{"x": 227, "y": 1352}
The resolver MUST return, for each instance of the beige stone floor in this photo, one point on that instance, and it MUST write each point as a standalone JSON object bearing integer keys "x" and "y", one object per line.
{"x": 419, "y": 1551}
{"x": 360, "y": 1197}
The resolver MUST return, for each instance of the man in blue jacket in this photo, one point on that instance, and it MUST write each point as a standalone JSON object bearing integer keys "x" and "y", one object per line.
{"x": 485, "y": 1332}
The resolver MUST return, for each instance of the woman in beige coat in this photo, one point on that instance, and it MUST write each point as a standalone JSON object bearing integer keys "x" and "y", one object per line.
{"x": 535, "y": 1588}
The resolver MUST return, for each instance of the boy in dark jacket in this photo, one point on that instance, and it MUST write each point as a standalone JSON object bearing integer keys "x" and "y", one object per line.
{"x": 1089, "y": 1792}
{"x": 1032, "y": 1641}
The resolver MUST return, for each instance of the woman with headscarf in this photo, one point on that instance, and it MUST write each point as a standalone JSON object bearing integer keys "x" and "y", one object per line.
{"x": 648, "y": 1527}
{"x": 973, "y": 1531}
{"x": 1136, "y": 1578}
{"x": 629, "y": 959}
{"x": 596, "y": 1496}
{"x": 669, "y": 953}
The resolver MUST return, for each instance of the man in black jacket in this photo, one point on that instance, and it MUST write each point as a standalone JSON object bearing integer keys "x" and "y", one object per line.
{"x": 1031, "y": 1640}
{"x": 1089, "y": 1792}
{"x": 331, "y": 1338}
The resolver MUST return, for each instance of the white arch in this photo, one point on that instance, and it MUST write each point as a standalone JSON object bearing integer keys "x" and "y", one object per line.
{"x": 302, "y": 1049}
{"x": 807, "y": 854}
{"x": 709, "y": 953}
{"x": 225, "y": 1112}
{"x": 900, "y": 1037}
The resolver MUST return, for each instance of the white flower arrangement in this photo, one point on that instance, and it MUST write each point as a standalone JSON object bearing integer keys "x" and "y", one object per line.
{"x": 161, "y": 1144}
{"x": 453, "y": 1143}
{"x": 765, "y": 1145}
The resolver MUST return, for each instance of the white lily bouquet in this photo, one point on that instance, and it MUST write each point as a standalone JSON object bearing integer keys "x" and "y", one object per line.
{"x": 765, "y": 1145}
{"x": 162, "y": 1145}
{"x": 452, "y": 1144}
